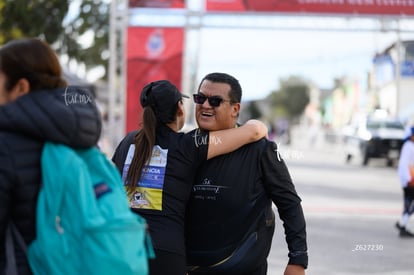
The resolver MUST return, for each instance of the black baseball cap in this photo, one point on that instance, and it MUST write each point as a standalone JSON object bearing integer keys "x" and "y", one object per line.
{"x": 162, "y": 96}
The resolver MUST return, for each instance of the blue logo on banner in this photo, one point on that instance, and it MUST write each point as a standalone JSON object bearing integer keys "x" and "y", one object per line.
{"x": 155, "y": 44}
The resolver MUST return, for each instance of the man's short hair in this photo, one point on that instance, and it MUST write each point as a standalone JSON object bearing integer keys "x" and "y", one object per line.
{"x": 235, "y": 88}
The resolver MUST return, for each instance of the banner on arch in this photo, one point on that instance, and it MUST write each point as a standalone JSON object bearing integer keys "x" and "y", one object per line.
{"x": 152, "y": 54}
{"x": 164, "y": 4}
{"x": 366, "y": 7}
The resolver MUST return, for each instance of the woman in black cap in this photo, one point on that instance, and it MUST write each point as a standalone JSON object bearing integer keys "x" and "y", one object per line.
{"x": 158, "y": 165}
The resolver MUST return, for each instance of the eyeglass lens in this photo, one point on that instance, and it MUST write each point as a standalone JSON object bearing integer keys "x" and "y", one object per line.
{"x": 214, "y": 101}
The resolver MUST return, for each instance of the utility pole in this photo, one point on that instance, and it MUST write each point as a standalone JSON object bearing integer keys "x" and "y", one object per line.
{"x": 398, "y": 72}
{"x": 117, "y": 71}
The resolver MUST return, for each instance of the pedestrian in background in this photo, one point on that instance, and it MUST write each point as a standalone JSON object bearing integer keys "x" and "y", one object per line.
{"x": 406, "y": 175}
{"x": 33, "y": 110}
{"x": 230, "y": 221}
{"x": 158, "y": 165}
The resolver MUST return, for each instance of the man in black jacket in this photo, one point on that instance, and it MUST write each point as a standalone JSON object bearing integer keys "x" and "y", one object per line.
{"x": 230, "y": 221}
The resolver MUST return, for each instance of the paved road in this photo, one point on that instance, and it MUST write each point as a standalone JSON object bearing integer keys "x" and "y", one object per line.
{"x": 350, "y": 212}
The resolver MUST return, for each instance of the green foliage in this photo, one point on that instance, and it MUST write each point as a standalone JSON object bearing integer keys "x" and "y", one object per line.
{"x": 49, "y": 20}
{"x": 92, "y": 21}
{"x": 34, "y": 18}
{"x": 292, "y": 97}
{"x": 254, "y": 111}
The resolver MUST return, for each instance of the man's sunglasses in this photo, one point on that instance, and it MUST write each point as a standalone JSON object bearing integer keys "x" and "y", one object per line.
{"x": 214, "y": 101}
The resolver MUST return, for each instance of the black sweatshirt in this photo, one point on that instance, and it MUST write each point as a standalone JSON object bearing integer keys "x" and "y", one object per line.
{"x": 232, "y": 197}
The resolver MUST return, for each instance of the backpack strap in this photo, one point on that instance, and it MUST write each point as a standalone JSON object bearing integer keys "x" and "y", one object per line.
{"x": 54, "y": 192}
{"x": 12, "y": 233}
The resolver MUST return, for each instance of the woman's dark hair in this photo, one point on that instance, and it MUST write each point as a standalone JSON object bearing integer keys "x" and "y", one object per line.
{"x": 160, "y": 101}
{"x": 32, "y": 59}
{"x": 144, "y": 141}
{"x": 235, "y": 93}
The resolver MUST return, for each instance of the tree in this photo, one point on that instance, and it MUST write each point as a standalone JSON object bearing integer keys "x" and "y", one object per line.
{"x": 35, "y": 18}
{"x": 93, "y": 22}
{"x": 254, "y": 110}
{"x": 67, "y": 33}
{"x": 292, "y": 97}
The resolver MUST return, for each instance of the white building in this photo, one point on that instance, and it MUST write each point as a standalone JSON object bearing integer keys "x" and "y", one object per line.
{"x": 392, "y": 80}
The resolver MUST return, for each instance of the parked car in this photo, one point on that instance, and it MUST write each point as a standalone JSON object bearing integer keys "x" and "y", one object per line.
{"x": 374, "y": 138}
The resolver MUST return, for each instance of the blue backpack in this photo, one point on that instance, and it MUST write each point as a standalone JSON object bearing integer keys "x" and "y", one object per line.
{"x": 84, "y": 224}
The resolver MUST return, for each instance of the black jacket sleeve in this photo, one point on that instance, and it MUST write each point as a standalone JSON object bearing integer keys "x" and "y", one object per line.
{"x": 279, "y": 186}
{"x": 6, "y": 179}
